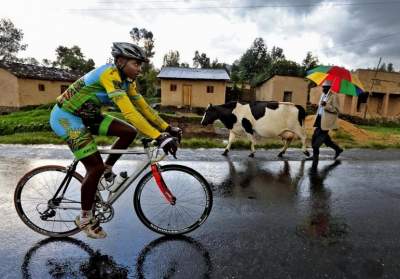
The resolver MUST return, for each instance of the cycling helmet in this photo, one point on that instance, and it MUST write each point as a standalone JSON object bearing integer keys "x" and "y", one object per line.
{"x": 128, "y": 50}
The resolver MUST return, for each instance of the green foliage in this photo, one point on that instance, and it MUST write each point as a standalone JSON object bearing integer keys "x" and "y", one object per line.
{"x": 26, "y": 121}
{"x": 381, "y": 122}
{"x": 10, "y": 40}
{"x": 144, "y": 38}
{"x": 147, "y": 82}
{"x": 382, "y": 129}
{"x": 254, "y": 62}
{"x": 31, "y": 138}
{"x": 342, "y": 135}
{"x": 73, "y": 59}
{"x": 201, "y": 60}
{"x": 258, "y": 64}
{"x": 171, "y": 59}
{"x": 286, "y": 67}
{"x": 309, "y": 62}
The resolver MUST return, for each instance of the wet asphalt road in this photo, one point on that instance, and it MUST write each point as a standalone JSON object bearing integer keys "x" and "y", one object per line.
{"x": 271, "y": 219}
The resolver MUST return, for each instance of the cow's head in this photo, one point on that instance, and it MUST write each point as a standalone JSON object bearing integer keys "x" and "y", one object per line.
{"x": 210, "y": 115}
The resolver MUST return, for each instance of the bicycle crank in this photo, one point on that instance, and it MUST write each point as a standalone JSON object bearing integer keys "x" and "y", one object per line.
{"x": 104, "y": 212}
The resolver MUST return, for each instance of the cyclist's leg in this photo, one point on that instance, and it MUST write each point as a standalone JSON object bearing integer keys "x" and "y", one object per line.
{"x": 125, "y": 132}
{"x": 94, "y": 169}
{"x": 72, "y": 129}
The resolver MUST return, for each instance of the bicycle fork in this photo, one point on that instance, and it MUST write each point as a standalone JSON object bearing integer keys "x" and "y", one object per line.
{"x": 155, "y": 169}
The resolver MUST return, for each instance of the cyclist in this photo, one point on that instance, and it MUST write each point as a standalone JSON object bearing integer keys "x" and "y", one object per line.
{"x": 77, "y": 115}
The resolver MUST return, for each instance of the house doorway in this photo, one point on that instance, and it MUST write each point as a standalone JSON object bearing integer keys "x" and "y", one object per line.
{"x": 187, "y": 95}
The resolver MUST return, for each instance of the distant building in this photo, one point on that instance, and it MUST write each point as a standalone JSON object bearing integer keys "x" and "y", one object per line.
{"x": 283, "y": 89}
{"x": 188, "y": 87}
{"x": 382, "y": 98}
{"x": 24, "y": 85}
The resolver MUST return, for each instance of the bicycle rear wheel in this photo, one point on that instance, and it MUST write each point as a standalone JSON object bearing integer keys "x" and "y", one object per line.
{"x": 39, "y": 210}
{"x": 193, "y": 201}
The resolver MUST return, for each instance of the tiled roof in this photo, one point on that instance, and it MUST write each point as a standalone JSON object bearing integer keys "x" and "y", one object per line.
{"x": 192, "y": 73}
{"x": 38, "y": 72}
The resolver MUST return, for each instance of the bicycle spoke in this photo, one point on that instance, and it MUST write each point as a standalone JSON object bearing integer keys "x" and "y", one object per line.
{"x": 33, "y": 201}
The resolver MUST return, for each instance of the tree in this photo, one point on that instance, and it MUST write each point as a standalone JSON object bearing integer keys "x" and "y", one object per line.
{"x": 216, "y": 65}
{"x": 286, "y": 68}
{"x": 171, "y": 59}
{"x": 10, "y": 40}
{"x": 73, "y": 59}
{"x": 47, "y": 63}
{"x": 383, "y": 67}
{"x": 309, "y": 62}
{"x": 29, "y": 60}
{"x": 201, "y": 60}
{"x": 254, "y": 62}
{"x": 143, "y": 38}
{"x": 277, "y": 54}
{"x": 390, "y": 68}
{"x": 147, "y": 80}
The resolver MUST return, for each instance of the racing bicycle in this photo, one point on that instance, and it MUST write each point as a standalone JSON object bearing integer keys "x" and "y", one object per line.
{"x": 169, "y": 199}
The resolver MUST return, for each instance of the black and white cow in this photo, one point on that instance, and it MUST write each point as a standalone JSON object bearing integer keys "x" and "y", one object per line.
{"x": 265, "y": 119}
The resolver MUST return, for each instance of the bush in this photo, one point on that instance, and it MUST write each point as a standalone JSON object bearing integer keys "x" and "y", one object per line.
{"x": 383, "y": 122}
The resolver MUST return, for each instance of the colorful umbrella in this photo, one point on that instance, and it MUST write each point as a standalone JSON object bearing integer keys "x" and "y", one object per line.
{"x": 342, "y": 80}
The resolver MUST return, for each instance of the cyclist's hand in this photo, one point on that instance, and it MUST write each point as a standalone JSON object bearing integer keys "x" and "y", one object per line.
{"x": 175, "y": 132}
{"x": 168, "y": 143}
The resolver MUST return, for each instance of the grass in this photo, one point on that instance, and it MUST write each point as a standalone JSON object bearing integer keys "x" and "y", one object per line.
{"x": 32, "y": 127}
{"x": 381, "y": 130}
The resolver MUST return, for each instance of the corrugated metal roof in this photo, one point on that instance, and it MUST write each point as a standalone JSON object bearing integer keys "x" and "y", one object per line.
{"x": 38, "y": 72}
{"x": 192, "y": 73}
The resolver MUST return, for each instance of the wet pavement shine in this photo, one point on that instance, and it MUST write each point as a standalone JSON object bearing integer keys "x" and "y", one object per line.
{"x": 271, "y": 218}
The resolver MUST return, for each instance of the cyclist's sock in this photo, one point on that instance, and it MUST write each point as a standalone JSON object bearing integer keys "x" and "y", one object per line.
{"x": 86, "y": 216}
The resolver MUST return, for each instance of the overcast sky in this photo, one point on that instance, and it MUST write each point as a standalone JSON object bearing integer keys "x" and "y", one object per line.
{"x": 351, "y": 33}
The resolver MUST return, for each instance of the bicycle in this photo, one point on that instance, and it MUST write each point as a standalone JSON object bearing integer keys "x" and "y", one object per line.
{"x": 169, "y": 199}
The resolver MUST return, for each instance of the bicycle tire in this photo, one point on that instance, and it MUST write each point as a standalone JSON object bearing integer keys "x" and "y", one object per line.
{"x": 190, "y": 174}
{"x": 24, "y": 183}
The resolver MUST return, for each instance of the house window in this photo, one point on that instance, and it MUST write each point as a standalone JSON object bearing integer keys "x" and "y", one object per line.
{"x": 287, "y": 96}
{"x": 210, "y": 89}
{"x": 41, "y": 87}
{"x": 63, "y": 88}
{"x": 172, "y": 87}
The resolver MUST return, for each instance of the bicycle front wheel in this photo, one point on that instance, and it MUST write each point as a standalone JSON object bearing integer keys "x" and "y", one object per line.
{"x": 39, "y": 209}
{"x": 192, "y": 206}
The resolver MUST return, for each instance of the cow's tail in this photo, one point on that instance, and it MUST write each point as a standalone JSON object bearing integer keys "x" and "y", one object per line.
{"x": 302, "y": 115}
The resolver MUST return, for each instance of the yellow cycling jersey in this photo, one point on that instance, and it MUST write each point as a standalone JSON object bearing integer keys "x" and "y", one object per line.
{"x": 104, "y": 86}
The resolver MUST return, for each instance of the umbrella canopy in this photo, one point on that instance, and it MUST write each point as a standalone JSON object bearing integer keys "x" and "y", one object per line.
{"x": 342, "y": 80}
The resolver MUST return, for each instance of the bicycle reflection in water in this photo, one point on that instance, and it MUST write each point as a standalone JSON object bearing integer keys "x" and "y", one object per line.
{"x": 165, "y": 257}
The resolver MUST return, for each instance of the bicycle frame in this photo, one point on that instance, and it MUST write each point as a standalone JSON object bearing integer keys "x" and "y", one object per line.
{"x": 115, "y": 194}
{"x": 113, "y": 197}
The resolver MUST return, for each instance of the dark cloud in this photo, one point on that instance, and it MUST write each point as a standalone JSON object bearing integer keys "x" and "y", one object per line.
{"x": 362, "y": 30}
{"x": 366, "y": 29}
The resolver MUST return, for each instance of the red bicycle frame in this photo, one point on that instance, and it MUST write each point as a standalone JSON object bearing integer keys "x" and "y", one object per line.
{"x": 161, "y": 184}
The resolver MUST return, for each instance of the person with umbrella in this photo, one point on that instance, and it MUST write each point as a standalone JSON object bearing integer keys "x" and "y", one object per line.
{"x": 327, "y": 114}
{"x": 334, "y": 80}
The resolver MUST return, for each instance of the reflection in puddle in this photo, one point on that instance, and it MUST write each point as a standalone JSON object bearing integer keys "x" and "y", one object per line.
{"x": 69, "y": 258}
{"x": 165, "y": 257}
{"x": 174, "y": 257}
{"x": 321, "y": 224}
{"x": 262, "y": 181}
{"x": 288, "y": 184}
